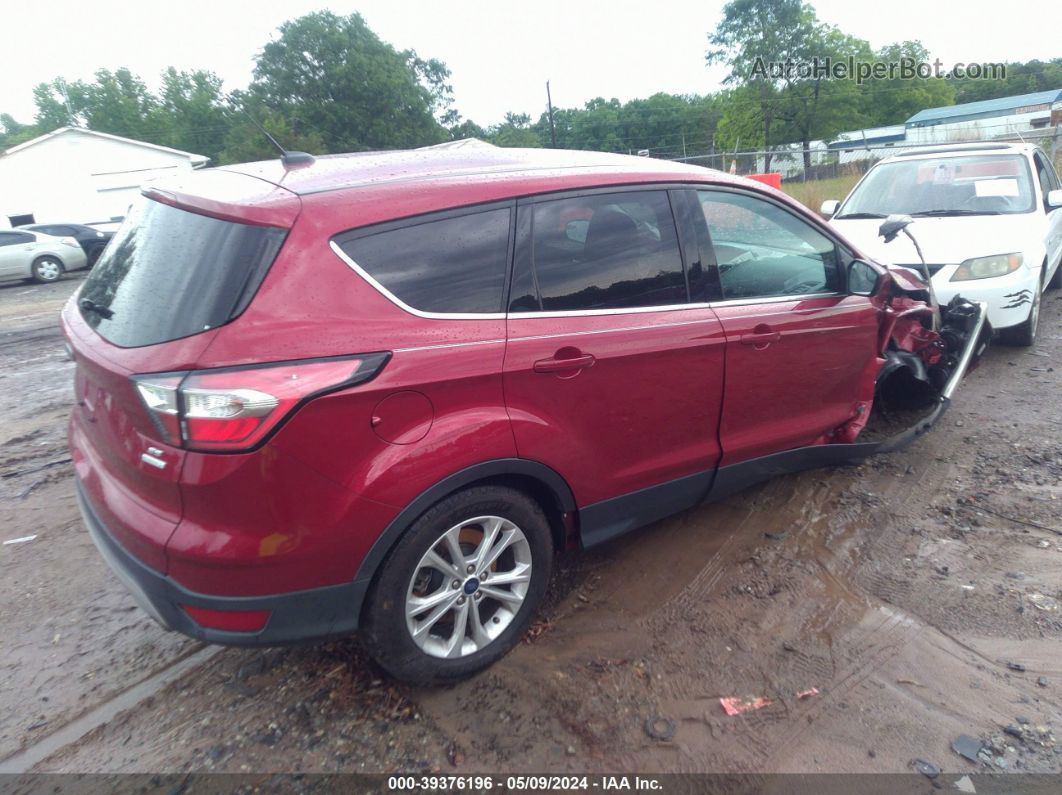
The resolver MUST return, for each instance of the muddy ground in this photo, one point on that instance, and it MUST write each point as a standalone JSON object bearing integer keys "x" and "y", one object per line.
{"x": 918, "y": 594}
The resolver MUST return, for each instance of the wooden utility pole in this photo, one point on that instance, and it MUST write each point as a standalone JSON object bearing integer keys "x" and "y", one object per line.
{"x": 552, "y": 129}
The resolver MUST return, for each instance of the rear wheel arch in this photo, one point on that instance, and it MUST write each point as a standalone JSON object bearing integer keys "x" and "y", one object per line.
{"x": 538, "y": 481}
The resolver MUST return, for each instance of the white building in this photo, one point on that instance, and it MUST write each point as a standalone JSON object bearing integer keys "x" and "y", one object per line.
{"x": 80, "y": 176}
{"x": 872, "y": 143}
{"x": 985, "y": 120}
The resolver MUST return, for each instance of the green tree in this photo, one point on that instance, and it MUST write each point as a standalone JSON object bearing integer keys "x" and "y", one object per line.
{"x": 333, "y": 75}
{"x": 818, "y": 107}
{"x": 741, "y": 124}
{"x": 752, "y": 35}
{"x": 13, "y": 133}
{"x": 514, "y": 131}
{"x": 245, "y": 143}
{"x": 115, "y": 102}
{"x": 1021, "y": 78}
{"x": 54, "y": 109}
{"x": 191, "y": 113}
{"x": 894, "y": 101}
{"x": 465, "y": 129}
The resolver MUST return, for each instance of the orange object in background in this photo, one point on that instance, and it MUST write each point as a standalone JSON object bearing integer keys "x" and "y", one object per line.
{"x": 774, "y": 180}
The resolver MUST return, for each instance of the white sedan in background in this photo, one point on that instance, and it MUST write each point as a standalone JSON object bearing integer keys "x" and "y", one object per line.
{"x": 37, "y": 256}
{"x": 987, "y": 218}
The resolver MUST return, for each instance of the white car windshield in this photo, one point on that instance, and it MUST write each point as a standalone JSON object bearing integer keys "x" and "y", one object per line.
{"x": 945, "y": 186}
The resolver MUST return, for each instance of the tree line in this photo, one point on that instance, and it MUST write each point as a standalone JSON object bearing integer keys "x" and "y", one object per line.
{"x": 328, "y": 83}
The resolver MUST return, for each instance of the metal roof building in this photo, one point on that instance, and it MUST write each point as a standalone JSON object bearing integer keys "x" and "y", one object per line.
{"x": 988, "y": 109}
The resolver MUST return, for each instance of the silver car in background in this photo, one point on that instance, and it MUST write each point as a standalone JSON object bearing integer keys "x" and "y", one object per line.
{"x": 37, "y": 256}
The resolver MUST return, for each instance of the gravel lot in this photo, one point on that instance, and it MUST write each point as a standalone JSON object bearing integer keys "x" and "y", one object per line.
{"x": 918, "y": 594}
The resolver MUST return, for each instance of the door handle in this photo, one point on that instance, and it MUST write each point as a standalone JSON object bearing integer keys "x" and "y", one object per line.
{"x": 561, "y": 365}
{"x": 761, "y": 336}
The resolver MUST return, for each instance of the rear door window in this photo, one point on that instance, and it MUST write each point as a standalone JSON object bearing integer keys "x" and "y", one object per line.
{"x": 14, "y": 238}
{"x": 600, "y": 251}
{"x": 449, "y": 263}
{"x": 170, "y": 273}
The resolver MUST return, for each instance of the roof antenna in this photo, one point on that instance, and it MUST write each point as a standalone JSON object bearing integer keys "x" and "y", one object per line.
{"x": 286, "y": 157}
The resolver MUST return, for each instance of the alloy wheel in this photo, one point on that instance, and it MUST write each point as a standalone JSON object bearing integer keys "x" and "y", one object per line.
{"x": 468, "y": 587}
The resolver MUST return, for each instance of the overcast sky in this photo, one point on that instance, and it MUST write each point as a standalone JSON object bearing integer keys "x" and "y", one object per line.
{"x": 501, "y": 55}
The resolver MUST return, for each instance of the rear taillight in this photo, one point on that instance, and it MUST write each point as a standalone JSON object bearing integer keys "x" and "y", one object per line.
{"x": 235, "y": 409}
{"x": 160, "y": 399}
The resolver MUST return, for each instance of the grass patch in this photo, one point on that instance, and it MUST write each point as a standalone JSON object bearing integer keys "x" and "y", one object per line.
{"x": 814, "y": 192}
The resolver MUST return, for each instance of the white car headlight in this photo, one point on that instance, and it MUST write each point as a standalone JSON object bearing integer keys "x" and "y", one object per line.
{"x": 987, "y": 267}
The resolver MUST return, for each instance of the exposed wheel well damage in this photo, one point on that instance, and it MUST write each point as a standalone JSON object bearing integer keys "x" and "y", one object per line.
{"x": 923, "y": 354}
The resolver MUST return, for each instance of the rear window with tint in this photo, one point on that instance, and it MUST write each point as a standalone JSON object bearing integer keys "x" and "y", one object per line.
{"x": 604, "y": 251}
{"x": 170, "y": 273}
{"x": 455, "y": 264}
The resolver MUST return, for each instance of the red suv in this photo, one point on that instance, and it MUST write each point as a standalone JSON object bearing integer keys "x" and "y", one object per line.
{"x": 376, "y": 392}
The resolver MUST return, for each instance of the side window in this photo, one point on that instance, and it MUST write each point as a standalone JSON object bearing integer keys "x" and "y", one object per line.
{"x": 455, "y": 264}
{"x": 15, "y": 238}
{"x": 1043, "y": 175}
{"x": 762, "y": 250}
{"x": 602, "y": 251}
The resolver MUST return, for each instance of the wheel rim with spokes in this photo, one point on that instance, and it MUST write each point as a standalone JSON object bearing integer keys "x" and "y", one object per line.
{"x": 468, "y": 587}
{"x": 48, "y": 270}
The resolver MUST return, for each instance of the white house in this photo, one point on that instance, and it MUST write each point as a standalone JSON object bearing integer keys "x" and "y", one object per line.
{"x": 81, "y": 176}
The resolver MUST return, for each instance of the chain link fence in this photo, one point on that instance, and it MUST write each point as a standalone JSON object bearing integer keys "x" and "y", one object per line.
{"x": 828, "y": 171}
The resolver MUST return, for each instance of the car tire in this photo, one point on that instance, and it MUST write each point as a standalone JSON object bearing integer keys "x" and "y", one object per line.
{"x": 1024, "y": 335}
{"x": 429, "y": 622}
{"x": 47, "y": 269}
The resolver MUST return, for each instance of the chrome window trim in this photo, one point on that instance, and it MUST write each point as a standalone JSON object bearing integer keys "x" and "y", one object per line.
{"x": 632, "y": 310}
{"x": 771, "y": 299}
{"x": 636, "y": 310}
{"x": 777, "y": 299}
{"x": 404, "y": 306}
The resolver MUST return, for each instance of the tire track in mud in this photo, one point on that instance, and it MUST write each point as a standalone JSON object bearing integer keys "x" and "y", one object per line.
{"x": 754, "y": 738}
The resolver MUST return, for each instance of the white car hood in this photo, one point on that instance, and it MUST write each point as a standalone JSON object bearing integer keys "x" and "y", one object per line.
{"x": 945, "y": 240}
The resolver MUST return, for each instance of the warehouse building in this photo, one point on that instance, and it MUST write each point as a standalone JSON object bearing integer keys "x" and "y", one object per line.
{"x": 73, "y": 175}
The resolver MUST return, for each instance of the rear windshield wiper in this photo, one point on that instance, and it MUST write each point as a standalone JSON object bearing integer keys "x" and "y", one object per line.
{"x": 945, "y": 213}
{"x": 91, "y": 306}
{"x": 861, "y": 215}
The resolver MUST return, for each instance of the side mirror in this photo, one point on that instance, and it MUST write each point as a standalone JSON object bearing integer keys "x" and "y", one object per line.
{"x": 829, "y": 207}
{"x": 862, "y": 278}
{"x": 1054, "y": 198}
{"x": 893, "y": 225}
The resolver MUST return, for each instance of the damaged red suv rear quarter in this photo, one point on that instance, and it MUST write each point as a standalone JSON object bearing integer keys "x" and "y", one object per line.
{"x": 377, "y": 392}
